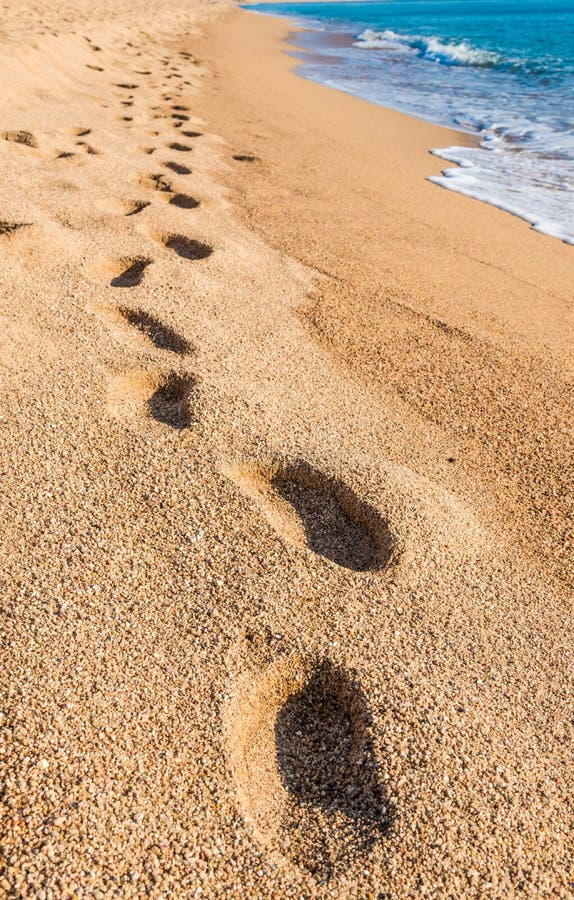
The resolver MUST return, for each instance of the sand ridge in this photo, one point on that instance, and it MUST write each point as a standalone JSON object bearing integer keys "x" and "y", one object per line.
{"x": 254, "y": 643}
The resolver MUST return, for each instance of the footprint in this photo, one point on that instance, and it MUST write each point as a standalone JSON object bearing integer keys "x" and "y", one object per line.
{"x": 188, "y": 248}
{"x": 162, "y": 336}
{"x": 167, "y": 398}
{"x": 80, "y": 131}
{"x": 125, "y": 272}
{"x": 179, "y": 108}
{"x": 184, "y": 201}
{"x": 311, "y": 510}
{"x": 245, "y": 157}
{"x": 95, "y": 68}
{"x": 191, "y": 134}
{"x": 123, "y": 207}
{"x": 179, "y": 117}
{"x": 127, "y": 87}
{"x": 177, "y": 168}
{"x": 171, "y": 401}
{"x": 181, "y": 148}
{"x": 20, "y": 137}
{"x": 157, "y": 183}
{"x": 7, "y": 228}
{"x": 88, "y": 148}
{"x": 302, "y": 755}
{"x": 133, "y": 207}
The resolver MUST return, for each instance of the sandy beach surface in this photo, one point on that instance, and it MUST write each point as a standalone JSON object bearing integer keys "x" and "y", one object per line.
{"x": 286, "y": 496}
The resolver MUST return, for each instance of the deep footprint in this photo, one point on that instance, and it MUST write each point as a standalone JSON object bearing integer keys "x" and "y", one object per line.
{"x": 184, "y": 201}
{"x": 185, "y": 247}
{"x": 162, "y": 336}
{"x": 326, "y": 760}
{"x": 323, "y": 514}
{"x": 181, "y": 148}
{"x": 137, "y": 396}
{"x": 177, "y": 168}
{"x": 171, "y": 402}
{"x": 302, "y": 754}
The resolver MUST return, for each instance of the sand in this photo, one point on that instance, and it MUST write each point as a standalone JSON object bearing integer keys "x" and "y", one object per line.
{"x": 286, "y": 467}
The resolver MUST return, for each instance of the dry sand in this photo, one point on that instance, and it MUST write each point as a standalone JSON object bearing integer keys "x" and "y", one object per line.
{"x": 286, "y": 462}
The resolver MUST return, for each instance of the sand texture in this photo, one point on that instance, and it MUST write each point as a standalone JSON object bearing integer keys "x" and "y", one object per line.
{"x": 286, "y": 484}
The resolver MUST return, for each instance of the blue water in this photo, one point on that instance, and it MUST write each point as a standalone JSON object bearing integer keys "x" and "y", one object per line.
{"x": 501, "y": 70}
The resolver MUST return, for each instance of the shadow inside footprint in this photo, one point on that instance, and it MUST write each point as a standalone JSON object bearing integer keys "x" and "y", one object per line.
{"x": 336, "y": 524}
{"x": 184, "y": 201}
{"x": 132, "y": 271}
{"x": 181, "y": 148}
{"x": 157, "y": 182}
{"x": 187, "y": 247}
{"x": 177, "y": 168}
{"x": 326, "y": 761}
{"x": 20, "y": 137}
{"x": 171, "y": 402}
{"x": 162, "y": 336}
{"x": 135, "y": 207}
{"x": 11, "y": 227}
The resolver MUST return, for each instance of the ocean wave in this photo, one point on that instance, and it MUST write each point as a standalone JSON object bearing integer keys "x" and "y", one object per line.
{"x": 449, "y": 53}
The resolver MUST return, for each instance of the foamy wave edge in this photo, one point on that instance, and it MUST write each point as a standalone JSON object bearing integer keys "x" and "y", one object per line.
{"x": 430, "y": 48}
{"x": 463, "y": 180}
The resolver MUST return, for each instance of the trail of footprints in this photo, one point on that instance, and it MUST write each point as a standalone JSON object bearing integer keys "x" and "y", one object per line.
{"x": 300, "y": 736}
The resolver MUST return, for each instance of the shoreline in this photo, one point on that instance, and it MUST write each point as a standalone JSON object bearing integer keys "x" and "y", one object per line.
{"x": 408, "y": 141}
{"x": 469, "y": 174}
{"x": 285, "y": 554}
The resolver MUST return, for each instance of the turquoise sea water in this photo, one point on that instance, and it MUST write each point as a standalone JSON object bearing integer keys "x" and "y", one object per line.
{"x": 501, "y": 69}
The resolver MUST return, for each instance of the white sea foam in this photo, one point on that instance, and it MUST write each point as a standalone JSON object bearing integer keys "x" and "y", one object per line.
{"x": 520, "y": 106}
{"x": 430, "y": 48}
{"x": 514, "y": 183}
{"x": 524, "y": 162}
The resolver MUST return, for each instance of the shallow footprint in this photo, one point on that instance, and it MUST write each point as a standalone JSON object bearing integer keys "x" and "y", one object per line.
{"x": 301, "y": 750}
{"x": 7, "y": 228}
{"x": 20, "y": 137}
{"x": 132, "y": 271}
{"x": 125, "y": 272}
{"x": 157, "y": 183}
{"x": 132, "y": 208}
{"x": 311, "y": 510}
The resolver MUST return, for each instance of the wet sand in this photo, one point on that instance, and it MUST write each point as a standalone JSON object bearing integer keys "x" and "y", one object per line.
{"x": 286, "y": 460}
